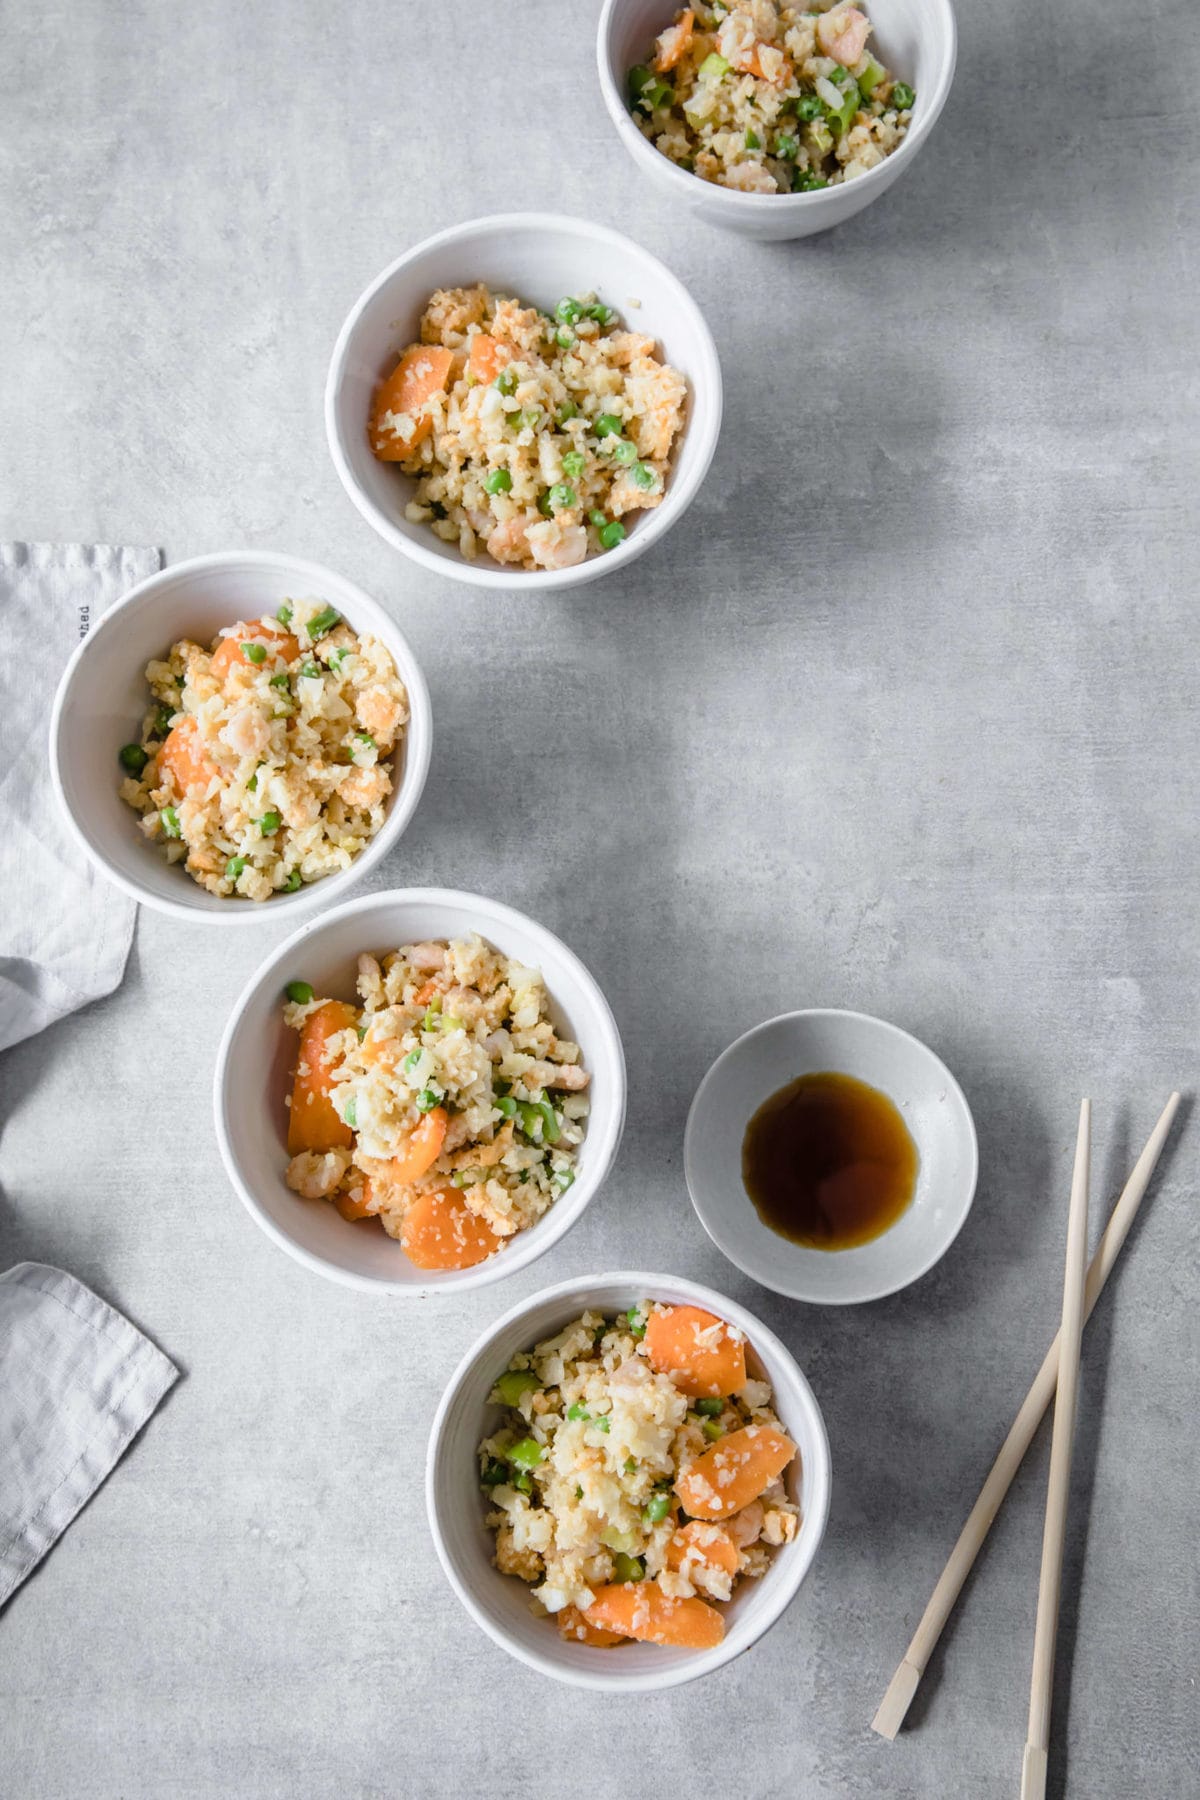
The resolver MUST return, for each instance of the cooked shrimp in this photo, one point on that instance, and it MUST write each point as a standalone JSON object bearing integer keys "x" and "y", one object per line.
{"x": 745, "y": 1527}
{"x": 380, "y": 713}
{"x": 508, "y": 543}
{"x": 843, "y": 34}
{"x": 569, "y": 1076}
{"x": 673, "y": 42}
{"x": 428, "y": 958}
{"x": 554, "y": 545}
{"x": 365, "y": 788}
{"x": 247, "y": 732}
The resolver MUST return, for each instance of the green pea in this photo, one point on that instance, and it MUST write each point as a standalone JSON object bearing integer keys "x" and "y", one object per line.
{"x": 568, "y": 410}
{"x": 643, "y": 476}
{"x": 574, "y": 462}
{"x": 269, "y": 824}
{"x": 544, "y": 504}
{"x": 628, "y": 1568}
{"x": 494, "y": 1474}
{"x": 324, "y": 623}
{"x": 753, "y": 141}
{"x": 712, "y": 1430}
{"x": 506, "y": 381}
{"x": 170, "y": 821}
{"x": 598, "y": 519}
{"x": 608, "y": 425}
{"x": 133, "y": 758}
{"x": 578, "y": 1412}
{"x": 254, "y": 653}
{"x": 234, "y": 867}
{"x": 527, "y": 1453}
{"x": 786, "y": 146}
{"x": 902, "y": 96}
{"x": 710, "y": 1408}
{"x": 624, "y": 452}
{"x": 506, "y": 1107}
{"x": 838, "y": 74}
{"x": 427, "y": 1099}
{"x": 630, "y": 1465}
{"x": 657, "y": 1509}
{"x": 562, "y": 497}
{"x": 498, "y": 482}
{"x": 564, "y": 337}
{"x": 568, "y": 311}
{"x": 284, "y": 614}
{"x": 612, "y": 534}
{"x": 292, "y": 883}
{"x": 281, "y": 681}
{"x": 351, "y": 1114}
{"x": 299, "y": 991}
{"x": 804, "y": 181}
{"x": 515, "y": 1382}
{"x": 310, "y": 670}
{"x": 808, "y": 106}
{"x": 602, "y": 1422}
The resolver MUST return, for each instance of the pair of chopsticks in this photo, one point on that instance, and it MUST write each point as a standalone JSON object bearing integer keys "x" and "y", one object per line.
{"x": 1059, "y": 1374}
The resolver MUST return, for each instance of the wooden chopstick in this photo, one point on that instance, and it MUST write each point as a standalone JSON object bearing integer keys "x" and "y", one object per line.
{"x": 1058, "y": 1490}
{"x": 904, "y": 1682}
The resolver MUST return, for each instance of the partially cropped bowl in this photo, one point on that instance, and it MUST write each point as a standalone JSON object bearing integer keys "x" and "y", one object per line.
{"x": 916, "y": 39}
{"x": 500, "y": 1604}
{"x": 258, "y": 1054}
{"x": 103, "y": 697}
{"x": 537, "y": 258}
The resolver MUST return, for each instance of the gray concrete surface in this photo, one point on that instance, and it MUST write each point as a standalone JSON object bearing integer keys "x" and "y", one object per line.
{"x": 904, "y": 720}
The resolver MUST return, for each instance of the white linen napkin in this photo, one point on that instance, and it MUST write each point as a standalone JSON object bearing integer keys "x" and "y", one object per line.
{"x": 77, "y": 1383}
{"x": 64, "y": 930}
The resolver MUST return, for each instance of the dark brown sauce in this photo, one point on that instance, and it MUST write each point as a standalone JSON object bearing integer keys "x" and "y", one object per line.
{"x": 828, "y": 1162}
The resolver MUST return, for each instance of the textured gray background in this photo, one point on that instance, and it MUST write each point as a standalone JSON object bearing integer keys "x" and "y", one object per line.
{"x": 904, "y": 719}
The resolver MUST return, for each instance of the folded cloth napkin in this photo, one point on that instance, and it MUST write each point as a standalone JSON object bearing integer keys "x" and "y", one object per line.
{"x": 64, "y": 930}
{"x": 77, "y": 1383}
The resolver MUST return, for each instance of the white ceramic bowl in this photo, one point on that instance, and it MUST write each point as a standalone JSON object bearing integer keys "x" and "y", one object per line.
{"x": 915, "y": 38}
{"x": 931, "y": 1103}
{"x": 499, "y": 1603}
{"x": 539, "y": 257}
{"x": 102, "y": 698}
{"x": 258, "y": 1053}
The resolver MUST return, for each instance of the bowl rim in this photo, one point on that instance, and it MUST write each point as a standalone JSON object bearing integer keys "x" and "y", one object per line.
{"x": 679, "y": 494}
{"x": 528, "y": 1246}
{"x": 802, "y": 1554}
{"x": 712, "y": 1220}
{"x": 405, "y": 798}
{"x": 762, "y": 207}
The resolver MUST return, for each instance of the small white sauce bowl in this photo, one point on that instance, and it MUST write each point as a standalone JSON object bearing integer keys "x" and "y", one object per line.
{"x": 258, "y": 1054}
{"x": 500, "y": 1604}
{"x": 538, "y": 258}
{"x": 102, "y": 699}
{"x": 931, "y": 1104}
{"x": 916, "y": 39}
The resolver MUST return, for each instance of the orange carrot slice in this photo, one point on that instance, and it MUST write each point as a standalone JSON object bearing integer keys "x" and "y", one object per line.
{"x": 640, "y": 1609}
{"x": 425, "y": 994}
{"x": 674, "y": 41}
{"x": 488, "y": 356}
{"x": 229, "y": 651}
{"x": 313, "y": 1123}
{"x": 704, "y": 1543}
{"x": 184, "y": 757}
{"x": 700, "y": 1352}
{"x": 576, "y": 1629}
{"x": 350, "y": 1208}
{"x": 422, "y": 372}
{"x": 422, "y": 1149}
{"x": 441, "y": 1232}
{"x": 734, "y": 1472}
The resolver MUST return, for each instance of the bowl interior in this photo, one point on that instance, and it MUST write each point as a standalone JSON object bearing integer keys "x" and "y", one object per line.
{"x": 931, "y": 1104}
{"x": 501, "y": 1603}
{"x": 255, "y": 1071}
{"x": 106, "y": 696}
{"x": 538, "y": 261}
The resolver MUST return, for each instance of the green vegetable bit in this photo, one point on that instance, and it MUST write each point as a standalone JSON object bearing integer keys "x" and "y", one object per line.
{"x": 628, "y": 1568}
{"x": 568, "y": 410}
{"x": 411, "y": 1060}
{"x": 525, "y": 1454}
{"x": 505, "y": 1106}
{"x": 506, "y": 381}
{"x": 578, "y": 1492}
{"x": 524, "y": 1483}
{"x": 299, "y": 991}
{"x": 539, "y": 1121}
{"x": 324, "y": 623}
{"x": 133, "y": 758}
{"x": 804, "y": 181}
{"x": 788, "y": 147}
{"x": 564, "y": 337}
{"x": 310, "y": 670}
{"x": 284, "y": 614}
{"x": 498, "y": 482}
{"x": 603, "y": 1423}
{"x": 563, "y": 1179}
{"x": 712, "y": 1430}
{"x": 603, "y": 315}
{"x": 544, "y": 504}
{"x": 162, "y": 722}
{"x": 364, "y": 737}
{"x": 338, "y": 659}
{"x": 631, "y": 1465}
{"x": 494, "y": 1474}
{"x": 624, "y": 452}
{"x": 269, "y": 824}
{"x": 712, "y": 1409}
{"x": 902, "y": 96}
{"x": 643, "y": 476}
{"x": 635, "y": 1322}
{"x": 234, "y": 867}
{"x": 427, "y": 1099}
{"x": 293, "y": 882}
{"x": 351, "y": 1114}
{"x": 515, "y": 1382}
{"x": 808, "y": 106}
{"x": 170, "y": 821}
{"x": 657, "y": 1509}
{"x": 562, "y": 497}
{"x": 597, "y": 518}
{"x": 753, "y": 141}
{"x": 568, "y": 311}
{"x": 574, "y": 463}
{"x": 608, "y": 425}
{"x": 611, "y": 534}
{"x": 871, "y": 77}
{"x": 254, "y": 653}
{"x": 714, "y": 66}
{"x": 578, "y": 1412}
{"x": 281, "y": 681}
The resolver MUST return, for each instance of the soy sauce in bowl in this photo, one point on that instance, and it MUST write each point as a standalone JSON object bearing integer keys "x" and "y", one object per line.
{"x": 828, "y": 1162}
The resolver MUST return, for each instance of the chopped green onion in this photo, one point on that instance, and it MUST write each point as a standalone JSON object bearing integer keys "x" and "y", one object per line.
{"x": 429, "y": 1022}
{"x": 234, "y": 867}
{"x": 753, "y": 141}
{"x": 804, "y": 181}
{"x": 608, "y": 425}
{"x": 494, "y": 1474}
{"x": 539, "y": 1121}
{"x": 712, "y": 1430}
{"x": 300, "y": 992}
{"x": 524, "y": 1483}
{"x": 870, "y": 78}
{"x": 162, "y": 722}
{"x": 711, "y": 1408}
{"x": 506, "y": 381}
{"x": 427, "y": 1099}
{"x": 269, "y": 824}
{"x": 714, "y": 65}
{"x": 838, "y": 74}
{"x": 635, "y": 1322}
{"x": 564, "y": 337}
{"x": 252, "y": 784}
{"x": 505, "y": 1106}
{"x": 568, "y": 410}
{"x": 902, "y": 96}
{"x": 787, "y": 146}
{"x": 170, "y": 821}
{"x": 364, "y": 737}
{"x": 603, "y": 315}
{"x": 562, "y": 497}
{"x": 338, "y": 659}
{"x": 808, "y": 106}
{"x": 640, "y": 78}
{"x": 628, "y": 1568}
{"x": 657, "y": 1509}
{"x": 515, "y": 1382}
{"x": 643, "y": 476}
{"x": 310, "y": 670}
{"x": 563, "y": 1179}
{"x": 254, "y": 653}
{"x": 611, "y": 534}
{"x": 293, "y": 882}
{"x": 411, "y": 1060}
{"x": 498, "y": 482}
{"x": 574, "y": 462}
{"x": 568, "y": 311}
{"x": 351, "y": 1114}
{"x": 284, "y": 614}
{"x": 630, "y": 1465}
{"x": 525, "y": 1454}
{"x": 323, "y": 623}
{"x": 133, "y": 758}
